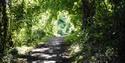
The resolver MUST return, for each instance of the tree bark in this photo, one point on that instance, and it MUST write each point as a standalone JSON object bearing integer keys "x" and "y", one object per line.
{"x": 3, "y": 27}
{"x": 88, "y": 9}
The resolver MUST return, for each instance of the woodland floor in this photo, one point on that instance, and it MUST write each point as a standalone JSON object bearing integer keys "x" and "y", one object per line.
{"x": 54, "y": 51}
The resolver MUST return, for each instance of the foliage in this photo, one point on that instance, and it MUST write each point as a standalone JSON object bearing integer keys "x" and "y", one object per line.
{"x": 93, "y": 28}
{"x": 33, "y": 20}
{"x": 99, "y": 41}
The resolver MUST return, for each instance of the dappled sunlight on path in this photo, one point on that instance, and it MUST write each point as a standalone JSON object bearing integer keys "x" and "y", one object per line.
{"x": 55, "y": 51}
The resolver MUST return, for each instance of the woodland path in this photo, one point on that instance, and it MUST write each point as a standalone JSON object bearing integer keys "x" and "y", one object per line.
{"x": 54, "y": 51}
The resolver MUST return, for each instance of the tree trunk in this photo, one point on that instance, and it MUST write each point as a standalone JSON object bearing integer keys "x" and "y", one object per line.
{"x": 3, "y": 27}
{"x": 88, "y": 9}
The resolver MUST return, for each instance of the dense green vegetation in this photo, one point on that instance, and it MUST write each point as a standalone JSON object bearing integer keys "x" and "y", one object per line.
{"x": 32, "y": 20}
{"x": 93, "y": 28}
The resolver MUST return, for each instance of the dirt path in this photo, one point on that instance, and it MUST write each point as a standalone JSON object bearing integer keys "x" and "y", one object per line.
{"x": 55, "y": 51}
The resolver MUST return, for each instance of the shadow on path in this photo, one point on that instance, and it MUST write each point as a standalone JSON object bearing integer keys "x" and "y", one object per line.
{"x": 55, "y": 51}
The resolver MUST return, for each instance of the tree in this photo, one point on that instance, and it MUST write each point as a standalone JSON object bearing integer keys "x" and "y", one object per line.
{"x": 88, "y": 8}
{"x": 119, "y": 27}
{"x": 3, "y": 28}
